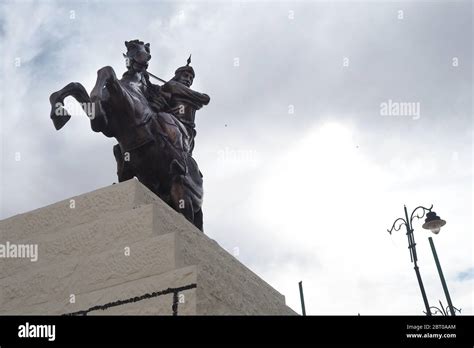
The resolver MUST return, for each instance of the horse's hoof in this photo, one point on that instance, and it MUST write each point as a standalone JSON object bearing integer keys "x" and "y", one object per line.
{"x": 60, "y": 121}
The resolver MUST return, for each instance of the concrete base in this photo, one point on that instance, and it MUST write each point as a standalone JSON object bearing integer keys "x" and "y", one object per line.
{"x": 121, "y": 250}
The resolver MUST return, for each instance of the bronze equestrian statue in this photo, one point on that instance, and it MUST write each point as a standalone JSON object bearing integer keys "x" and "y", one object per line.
{"x": 153, "y": 125}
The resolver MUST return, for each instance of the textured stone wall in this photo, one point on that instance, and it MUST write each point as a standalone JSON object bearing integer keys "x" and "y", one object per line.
{"x": 121, "y": 250}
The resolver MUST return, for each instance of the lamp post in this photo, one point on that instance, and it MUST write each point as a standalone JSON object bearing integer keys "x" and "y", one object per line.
{"x": 303, "y": 309}
{"x": 434, "y": 224}
{"x": 407, "y": 222}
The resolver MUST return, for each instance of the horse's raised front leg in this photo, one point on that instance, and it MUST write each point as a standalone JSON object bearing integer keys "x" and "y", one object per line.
{"x": 59, "y": 114}
{"x": 106, "y": 86}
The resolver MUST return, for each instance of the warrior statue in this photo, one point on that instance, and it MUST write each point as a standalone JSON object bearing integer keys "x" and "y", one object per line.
{"x": 184, "y": 101}
{"x": 154, "y": 127}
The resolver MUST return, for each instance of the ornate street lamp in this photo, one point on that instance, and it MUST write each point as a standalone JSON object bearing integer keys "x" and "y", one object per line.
{"x": 446, "y": 311}
{"x": 433, "y": 223}
{"x": 407, "y": 222}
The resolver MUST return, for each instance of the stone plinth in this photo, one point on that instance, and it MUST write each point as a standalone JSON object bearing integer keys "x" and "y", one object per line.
{"x": 121, "y": 250}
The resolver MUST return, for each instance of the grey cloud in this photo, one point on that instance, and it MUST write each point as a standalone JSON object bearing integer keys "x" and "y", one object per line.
{"x": 283, "y": 62}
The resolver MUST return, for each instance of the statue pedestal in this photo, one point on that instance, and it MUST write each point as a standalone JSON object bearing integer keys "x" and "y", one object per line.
{"x": 121, "y": 250}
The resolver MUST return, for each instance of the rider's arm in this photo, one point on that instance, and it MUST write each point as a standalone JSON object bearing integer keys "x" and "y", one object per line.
{"x": 178, "y": 89}
{"x": 158, "y": 98}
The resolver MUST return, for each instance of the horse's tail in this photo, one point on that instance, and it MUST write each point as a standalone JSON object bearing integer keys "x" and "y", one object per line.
{"x": 59, "y": 115}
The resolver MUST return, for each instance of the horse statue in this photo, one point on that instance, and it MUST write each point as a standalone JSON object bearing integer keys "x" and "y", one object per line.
{"x": 153, "y": 145}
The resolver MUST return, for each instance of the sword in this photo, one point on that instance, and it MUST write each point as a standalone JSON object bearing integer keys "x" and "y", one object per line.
{"x": 156, "y": 77}
{"x": 160, "y": 79}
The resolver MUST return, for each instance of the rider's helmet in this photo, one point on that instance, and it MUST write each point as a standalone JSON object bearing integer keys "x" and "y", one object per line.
{"x": 185, "y": 74}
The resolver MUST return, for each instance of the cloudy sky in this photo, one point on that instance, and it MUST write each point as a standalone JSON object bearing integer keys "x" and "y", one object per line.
{"x": 303, "y": 169}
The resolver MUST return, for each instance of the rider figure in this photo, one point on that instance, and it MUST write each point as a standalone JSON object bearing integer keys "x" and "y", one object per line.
{"x": 174, "y": 97}
{"x": 182, "y": 101}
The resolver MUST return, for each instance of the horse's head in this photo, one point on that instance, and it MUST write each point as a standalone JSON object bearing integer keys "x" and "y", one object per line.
{"x": 138, "y": 55}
